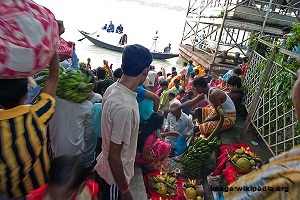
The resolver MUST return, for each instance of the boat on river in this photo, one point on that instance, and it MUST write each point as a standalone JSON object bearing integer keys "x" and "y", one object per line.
{"x": 99, "y": 43}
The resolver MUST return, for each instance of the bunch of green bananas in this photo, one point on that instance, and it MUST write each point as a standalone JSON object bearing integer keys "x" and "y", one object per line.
{"x": 43, "y": 76}
{"x": 198, "y": 151}
{"x": 74, "y": 86}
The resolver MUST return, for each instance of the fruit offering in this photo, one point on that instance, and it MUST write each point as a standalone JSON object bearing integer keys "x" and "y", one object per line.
{"x": 163, "y": 184}
{"x": 245, "y": 160}
{"x": 192, "y": 191}
{"x": 197, "y": 152}
{"x": 72, "y": 85}
{"x": 43, "y": 76}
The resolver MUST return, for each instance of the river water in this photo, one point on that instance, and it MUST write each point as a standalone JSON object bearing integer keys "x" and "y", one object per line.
{"x": 140, "y": 19}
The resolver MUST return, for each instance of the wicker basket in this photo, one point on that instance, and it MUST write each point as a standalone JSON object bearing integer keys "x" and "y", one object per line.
{"x": 165, "y": 196}
{"x": 238, "y": 169}
{"x": 186, "y": 198}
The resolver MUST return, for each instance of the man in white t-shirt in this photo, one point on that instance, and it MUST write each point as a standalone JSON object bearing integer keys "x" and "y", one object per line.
{"x": 120, "y": 124}
{"x": 152, "y": 74}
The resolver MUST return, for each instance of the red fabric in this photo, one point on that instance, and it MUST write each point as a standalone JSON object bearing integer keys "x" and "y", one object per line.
{"x": 40, "y": 193}
{"x": 158, "y": 91}
{"x": 218, "y": 82}
{"x": 244, "y": 68}
{"x": 223, "y": 159}
{"x": 188, "y": 86}
{"x": 155, "y": 196}
{"x": 230, "y": 174}
{"x": 65, "y": 48}
{"x": 28, "y": 39}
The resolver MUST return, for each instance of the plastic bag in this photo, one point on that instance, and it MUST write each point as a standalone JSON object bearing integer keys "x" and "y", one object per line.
{"x": 180, "y": 146}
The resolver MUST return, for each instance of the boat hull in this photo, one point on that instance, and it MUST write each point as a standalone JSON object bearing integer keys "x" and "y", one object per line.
{"x": 155, "y": 55}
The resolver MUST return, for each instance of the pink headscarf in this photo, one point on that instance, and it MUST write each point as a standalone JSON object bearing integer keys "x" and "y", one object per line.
{"x": 28, "y": 38}
{"x": 160, "y": 147}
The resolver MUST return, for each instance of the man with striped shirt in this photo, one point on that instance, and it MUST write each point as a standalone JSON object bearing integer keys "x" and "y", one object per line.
{"x": 24, "y": 160}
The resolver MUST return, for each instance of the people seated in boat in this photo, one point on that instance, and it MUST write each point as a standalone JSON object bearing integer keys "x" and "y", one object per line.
{"x": 104, "y": 27}
{"x": 123, "y": 40}
{"x": 111, "y": 27}
{"x": 119, "y": 29}
{"x": 167, "y": 49}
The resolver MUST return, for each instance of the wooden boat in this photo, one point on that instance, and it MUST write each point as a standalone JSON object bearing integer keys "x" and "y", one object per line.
{"x": 155, "y": 55}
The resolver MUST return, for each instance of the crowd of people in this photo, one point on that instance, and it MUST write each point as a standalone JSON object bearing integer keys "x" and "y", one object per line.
{"x": 133, "y": 115}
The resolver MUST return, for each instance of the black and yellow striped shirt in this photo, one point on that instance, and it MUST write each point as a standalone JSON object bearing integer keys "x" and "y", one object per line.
{"x": 24, "y": 160}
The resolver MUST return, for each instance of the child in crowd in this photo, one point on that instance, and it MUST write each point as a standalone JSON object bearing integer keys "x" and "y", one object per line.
{"x": 190, "y": 69}
{"x": 189, "y": 85}
{"x": 159, "y": 77}
{"x": 212, "y": 83}
{"x": 237, "y": 71}
{"x": 164, "y": 101}
{"x": 244, "y": 65}
{"x": 67, "y": 181}
{"x": 235, "y": 90}
{"x": 219, "y": 80}
{"x": 181, "y": 94}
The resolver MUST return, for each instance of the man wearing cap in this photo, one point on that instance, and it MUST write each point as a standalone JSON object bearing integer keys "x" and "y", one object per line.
{"x": 120, "y": 124}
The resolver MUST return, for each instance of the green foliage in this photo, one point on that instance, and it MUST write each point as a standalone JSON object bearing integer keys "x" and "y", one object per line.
{"x": 81, "y": 64}
{"x": 294, "y": 39}
{"x": 261, "y": 48}
{"x": 221, "y": 15}
{"x": 277, "y": 97}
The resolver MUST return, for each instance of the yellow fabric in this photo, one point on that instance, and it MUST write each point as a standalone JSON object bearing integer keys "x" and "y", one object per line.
{"x": 164, "y": 100}
{"x": 24, "y": 160}
{"x": 171, "y": 84}
{"x": 208, "y": 127}
{"x": 281, "y": 173}
{"x": 201, "y": 70}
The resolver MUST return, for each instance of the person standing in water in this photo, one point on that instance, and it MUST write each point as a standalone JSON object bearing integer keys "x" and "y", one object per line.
{"x": 154, "y": 43}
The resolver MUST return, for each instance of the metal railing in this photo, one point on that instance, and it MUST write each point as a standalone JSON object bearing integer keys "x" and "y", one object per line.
{"x": 269, "y": 103}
